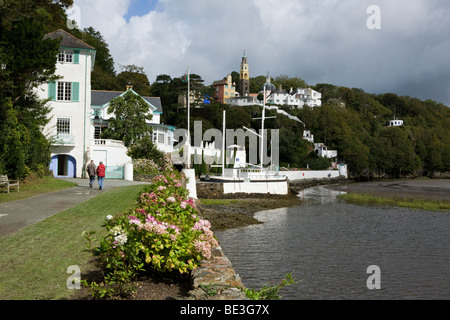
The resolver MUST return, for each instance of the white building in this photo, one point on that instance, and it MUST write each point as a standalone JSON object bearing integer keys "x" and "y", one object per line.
{"x": 70, "y": 99}
{"x": 79, "y": 114}
{"x": 322, "y": 151}
{"x": 294, "y": 98}
{"x": 395, "y": 123}
{"x": 320, "y": 148}
{"x": 162, "y": 135}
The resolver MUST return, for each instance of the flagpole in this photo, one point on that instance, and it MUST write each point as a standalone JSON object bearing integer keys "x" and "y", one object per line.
{"x": 262, "y": 128}
{"x": 188, "y": 121}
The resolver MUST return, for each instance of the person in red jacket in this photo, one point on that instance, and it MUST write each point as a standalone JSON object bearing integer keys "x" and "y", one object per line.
{"x": 101, "y": 175}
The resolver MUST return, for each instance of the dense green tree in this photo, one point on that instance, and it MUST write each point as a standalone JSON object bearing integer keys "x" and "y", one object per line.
{"x": 129, "y": 122}
{"x": 103, "y": 77}
{"x": 170, "y": 89}
{"x": 51, "y": 13}
{"x": 27, "y": 60}
{"x": 289, "y": 83}
{"x": 144, "y": 148}
{"x": 135, "y": 76}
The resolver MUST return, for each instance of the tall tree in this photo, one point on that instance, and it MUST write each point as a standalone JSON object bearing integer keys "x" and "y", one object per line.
{"x": 129, "y": 122}
{"x": 135, "y": 76}
{"x": 103, "y": 76}
{"x": 52, "y": 13}
{"x": 26, "y": 61}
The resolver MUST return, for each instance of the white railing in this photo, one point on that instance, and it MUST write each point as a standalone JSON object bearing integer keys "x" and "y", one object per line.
{"x": 109, "y": 143}
{"x": 63, "y": 139}
{"x": 255, "y": 174}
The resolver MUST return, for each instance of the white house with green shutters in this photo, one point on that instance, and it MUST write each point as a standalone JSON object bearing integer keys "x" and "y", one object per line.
{"x": 70, "y": 99}
{"x": 79, "y": 114}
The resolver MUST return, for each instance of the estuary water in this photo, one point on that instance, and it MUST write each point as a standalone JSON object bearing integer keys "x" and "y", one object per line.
{"x": 330, "y": 245}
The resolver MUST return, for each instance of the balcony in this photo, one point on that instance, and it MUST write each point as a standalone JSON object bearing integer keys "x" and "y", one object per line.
{"x": 109, "y": 143}
{"x": 63, "y": 140}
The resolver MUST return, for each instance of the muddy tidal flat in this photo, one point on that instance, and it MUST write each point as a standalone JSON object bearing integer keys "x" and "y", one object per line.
{"x": 239, "y": 212}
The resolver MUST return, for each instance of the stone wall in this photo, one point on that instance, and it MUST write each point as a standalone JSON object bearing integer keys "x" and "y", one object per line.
{"x": 209, "y": 190}
{"x": 215, "y": 279}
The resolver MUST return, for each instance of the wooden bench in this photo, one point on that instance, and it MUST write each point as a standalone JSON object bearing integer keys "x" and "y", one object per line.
{"x": 5, "y": 182}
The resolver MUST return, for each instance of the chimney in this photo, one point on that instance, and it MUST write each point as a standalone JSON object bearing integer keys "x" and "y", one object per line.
{"x": 129, "y": 86}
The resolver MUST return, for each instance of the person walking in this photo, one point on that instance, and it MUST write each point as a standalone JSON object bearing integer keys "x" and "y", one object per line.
{"x": 100, "y": 174}
{"x": 91, "y": 170}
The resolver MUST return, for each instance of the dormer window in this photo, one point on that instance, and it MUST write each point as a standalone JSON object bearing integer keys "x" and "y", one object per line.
{"x": 65, "y": 56}
{"x": 68, "y": 56}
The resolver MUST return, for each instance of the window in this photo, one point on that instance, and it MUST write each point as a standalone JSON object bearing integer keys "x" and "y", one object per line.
{"x": 64, "y": 91}
{"x": 61, "y": 56}
{"x": 97, "y": 132}
{"x": 161, "y": 138}
{"x": 63, "y": 126}
{"x": 69, "y": 57}
{"x": 65, "y": 56}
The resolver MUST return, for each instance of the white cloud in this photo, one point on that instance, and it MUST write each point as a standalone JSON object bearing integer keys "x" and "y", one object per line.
{"x": 319, "y": 41}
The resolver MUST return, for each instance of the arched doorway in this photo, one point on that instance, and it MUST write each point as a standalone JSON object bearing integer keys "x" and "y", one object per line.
{"x": 63, "y": 166}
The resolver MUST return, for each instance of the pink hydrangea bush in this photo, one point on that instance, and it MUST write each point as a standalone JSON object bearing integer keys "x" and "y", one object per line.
{"x": 163, "y": 232}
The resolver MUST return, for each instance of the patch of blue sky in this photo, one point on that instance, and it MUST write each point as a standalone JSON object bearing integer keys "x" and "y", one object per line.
{"x": 140, "y": 8}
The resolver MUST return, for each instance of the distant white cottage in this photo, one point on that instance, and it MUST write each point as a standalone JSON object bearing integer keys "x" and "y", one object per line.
{"x": 79, "y": 115}
{"x": 395, "y": 123}
{"x": 320, "y": 148}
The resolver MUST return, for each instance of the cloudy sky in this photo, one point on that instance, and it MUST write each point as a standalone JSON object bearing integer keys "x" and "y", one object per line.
{"x": 402, "y": 48}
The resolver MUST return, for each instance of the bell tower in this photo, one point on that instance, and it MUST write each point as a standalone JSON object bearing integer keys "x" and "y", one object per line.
{"x": 244, "y": 78}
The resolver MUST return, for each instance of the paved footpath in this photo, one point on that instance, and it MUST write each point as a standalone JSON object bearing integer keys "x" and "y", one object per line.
{"x": 16, "y": 215}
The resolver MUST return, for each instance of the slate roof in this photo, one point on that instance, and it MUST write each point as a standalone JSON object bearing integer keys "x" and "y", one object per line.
{"x": 68, "y": 40}
{"x": 101, "y": 98}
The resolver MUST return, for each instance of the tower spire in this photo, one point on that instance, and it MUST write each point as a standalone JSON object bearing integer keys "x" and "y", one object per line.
{"x": 244, "y": 78}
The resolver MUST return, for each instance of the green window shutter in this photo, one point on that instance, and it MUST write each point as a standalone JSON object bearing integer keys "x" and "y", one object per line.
{"x": 52, "y": 90}
{"x": 76, "y": 56}
{"x": 75, "y": 91}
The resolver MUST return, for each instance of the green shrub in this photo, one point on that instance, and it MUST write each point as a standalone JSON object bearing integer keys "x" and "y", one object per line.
{"x": 163, "y": 233}
{"x": 146, "y": 167}
{"x": 270, "y": 291}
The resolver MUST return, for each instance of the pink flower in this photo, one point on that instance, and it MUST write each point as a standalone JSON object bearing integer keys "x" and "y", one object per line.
{"x": 170, "y": 199}
{"x": 141, "y": 211}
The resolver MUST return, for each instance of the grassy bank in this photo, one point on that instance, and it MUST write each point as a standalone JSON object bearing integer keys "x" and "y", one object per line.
{"x": 431, "y": 205}
{"x": 36, "y": 187}
{"x": 34, "y": 260}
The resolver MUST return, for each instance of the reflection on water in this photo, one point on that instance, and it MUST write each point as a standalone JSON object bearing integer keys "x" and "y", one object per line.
{"x": 319, "y": 195}
{"x": 330, "y": 244}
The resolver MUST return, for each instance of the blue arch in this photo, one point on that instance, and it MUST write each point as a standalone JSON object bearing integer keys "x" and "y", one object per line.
{"x": 63, "y": 166}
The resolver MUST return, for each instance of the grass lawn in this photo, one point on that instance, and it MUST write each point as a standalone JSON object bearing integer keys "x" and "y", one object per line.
{"x": 431, "y": 205}
{"x": 35, "y": 187}
{"x": 34, "y": 260}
